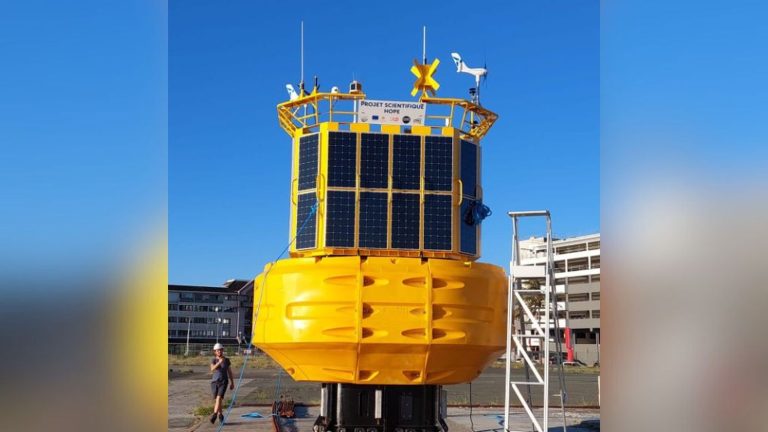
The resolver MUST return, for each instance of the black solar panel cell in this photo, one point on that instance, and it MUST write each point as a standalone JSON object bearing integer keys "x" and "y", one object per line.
{"x": 374, "y": 160}
{"x": 469, "y": 168}
{"x": 340, "y": 219}
{"x": 468, "y": 233}
{"x": 437, "y": 222}
{"x": 438, "y": 163}
{"x": 406, "y": 162}
{"x": 342, "y": 159}
{"x": 306, "y": 238}
{"x": 373, "y": 220}
{"x": 308, "y": 146}
{"x": 405, "y": 221}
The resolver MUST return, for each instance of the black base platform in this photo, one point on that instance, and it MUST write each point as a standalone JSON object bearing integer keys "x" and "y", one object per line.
{"x": 370, "y": 408}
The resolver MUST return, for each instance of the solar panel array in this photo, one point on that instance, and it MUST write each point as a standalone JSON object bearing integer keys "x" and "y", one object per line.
{"x": 405, "y": 221}
{"x": 374, "y": 160}
{"x": 373, "y": 220}
{"x": 363, "y": 210}
{"x": 437, "y": 222}
{"x": 438, "y": 163}
{"x": 340, "y": 219}
{"x": 342, "y": 159}
{"x": 406, "y": 162}
{"x": 306, "y": 238}
{"x": 468, "y": 233}
{"x": 468, "y": 172}
{"x": 308, "y": 152}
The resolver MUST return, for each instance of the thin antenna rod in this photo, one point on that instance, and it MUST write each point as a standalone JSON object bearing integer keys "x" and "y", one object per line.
{"x": 424, "y": 44}
{"x": 302, "y": 51}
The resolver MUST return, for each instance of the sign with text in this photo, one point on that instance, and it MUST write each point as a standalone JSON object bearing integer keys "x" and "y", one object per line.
{"x": 391, "y": 112}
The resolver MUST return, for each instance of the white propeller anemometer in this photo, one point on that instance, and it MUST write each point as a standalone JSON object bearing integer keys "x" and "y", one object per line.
{"x": 462, "y": 67}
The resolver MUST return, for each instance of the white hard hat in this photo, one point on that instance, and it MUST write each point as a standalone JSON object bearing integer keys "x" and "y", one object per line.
{"x": 218, "y": 346}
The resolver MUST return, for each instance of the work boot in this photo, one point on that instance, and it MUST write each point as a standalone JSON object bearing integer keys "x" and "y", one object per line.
{"x": 221, "y": 418}
{"x": 213, "y": 418}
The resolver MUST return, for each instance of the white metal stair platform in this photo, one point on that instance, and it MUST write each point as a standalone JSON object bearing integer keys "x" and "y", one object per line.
{"x": 533, "y": 284}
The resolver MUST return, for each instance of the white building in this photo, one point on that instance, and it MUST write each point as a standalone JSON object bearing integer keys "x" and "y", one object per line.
{"x": 577, "y": 276}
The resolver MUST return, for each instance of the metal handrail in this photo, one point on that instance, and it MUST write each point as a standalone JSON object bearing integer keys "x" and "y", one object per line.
{"x": 475, "y": 120}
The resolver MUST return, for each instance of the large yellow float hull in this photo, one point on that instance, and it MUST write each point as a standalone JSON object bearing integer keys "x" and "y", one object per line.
{"x": 381, "y": 320}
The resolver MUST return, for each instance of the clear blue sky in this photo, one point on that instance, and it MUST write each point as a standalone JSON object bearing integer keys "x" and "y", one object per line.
{"x": 83, "y": 132}
{"x": 229, "y": 162}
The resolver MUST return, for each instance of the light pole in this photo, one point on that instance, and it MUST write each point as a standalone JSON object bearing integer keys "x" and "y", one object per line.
{"x": 218, "y": 323}
{"x": 189, "y": 327}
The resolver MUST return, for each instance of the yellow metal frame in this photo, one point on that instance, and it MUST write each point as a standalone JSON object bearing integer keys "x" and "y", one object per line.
{"x": 306, "y": 114}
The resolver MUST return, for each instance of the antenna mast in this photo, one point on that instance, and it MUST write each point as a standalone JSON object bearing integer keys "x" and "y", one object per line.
{"x": 424, "y": 44}
{"x": 302, "y": 55}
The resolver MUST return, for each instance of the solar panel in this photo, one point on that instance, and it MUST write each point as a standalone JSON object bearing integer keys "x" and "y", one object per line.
{"x": 469, "y": 168}
{"x": 468, "y": 233}
{"x": 308, "y": 161}
{"x": 342, "y": 159}
{"x": 374, "y": 160}
{"x": 306, "y": 238}
{"x": 406, "y": 162}
{"x": 405, "y": 221}
{"x": 438, "y": 163}
{"x": 340, "y": 219}
{"x": 373, "y": 220}
{"x": 437, "y": 222}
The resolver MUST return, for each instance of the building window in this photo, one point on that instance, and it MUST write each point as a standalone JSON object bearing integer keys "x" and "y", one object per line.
{"x": 173, "y": 306}
{"x": 577, "y": 264}
{"x": 594, "y": 245}
{"x": 578, "y": 280}
{"x": 596, "y": 278}
{"x": 581, "y": 247}
{"x": 596, "y": 295}
{"x": 172, "y": 319}
{"x": 187, "y": 297}
{"x": 578, "y": 297}
{"x": 595, "y": 314}
{"x": 595, "y": 262}
{"x": 578, "y": 314}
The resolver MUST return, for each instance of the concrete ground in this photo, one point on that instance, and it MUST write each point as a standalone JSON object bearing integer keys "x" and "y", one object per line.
{"x": 188, "y": 388}
{"x": 482, "y": 420}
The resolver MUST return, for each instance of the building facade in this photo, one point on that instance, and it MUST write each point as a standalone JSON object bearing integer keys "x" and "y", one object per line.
{"x": 210, "y": 314}
{"x": 577, "y": 276}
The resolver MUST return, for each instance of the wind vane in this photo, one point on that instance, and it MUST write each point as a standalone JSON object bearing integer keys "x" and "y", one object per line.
{"x": 424, "y": 71}
{"x": 424, "y": 80}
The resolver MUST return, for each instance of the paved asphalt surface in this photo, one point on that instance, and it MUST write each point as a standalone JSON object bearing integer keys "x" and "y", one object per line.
{"x": 188, "y": 388}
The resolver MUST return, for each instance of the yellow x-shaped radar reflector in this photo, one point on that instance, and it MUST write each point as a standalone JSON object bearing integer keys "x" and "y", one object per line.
{"x": 424, "y": 80}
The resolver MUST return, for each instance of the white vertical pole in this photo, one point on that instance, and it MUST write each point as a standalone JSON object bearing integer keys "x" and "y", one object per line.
{"x": 189, "y": 327}
{"x": 510, "y": 318}
{"x": 547, "y": 313}
{"x": 424, "y": 44}
{"x": 510, "y": 306}
{"x": 302, "y": 52}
